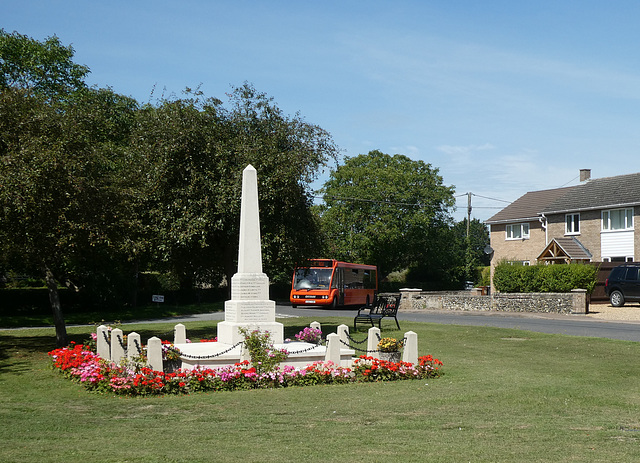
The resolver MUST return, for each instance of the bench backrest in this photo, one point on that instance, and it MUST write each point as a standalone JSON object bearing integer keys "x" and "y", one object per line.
{"x": 386, "y": 305}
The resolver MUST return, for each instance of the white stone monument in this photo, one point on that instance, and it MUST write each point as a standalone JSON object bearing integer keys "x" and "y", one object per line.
{"x": 249, "y": 307}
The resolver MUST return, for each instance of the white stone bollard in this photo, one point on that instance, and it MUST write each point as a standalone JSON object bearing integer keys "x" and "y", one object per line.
{"x": 134, "y": 347}
{"x": 154, "y": 354}
{"x": 117, "y": 345}
{"x": 316, "y": 325}
{"x": 245, "y": 355}
{"x": 410, "y": 352}
{"x": 333, "y": 349}
{"x": 343, "y": 332}
{"x": 102, "y": 343}
{"x": 179, "y": 334}
{"x": 372, "y": 342}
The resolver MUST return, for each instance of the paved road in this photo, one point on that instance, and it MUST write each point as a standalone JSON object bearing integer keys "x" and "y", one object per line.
{"x": 574, "y": 325}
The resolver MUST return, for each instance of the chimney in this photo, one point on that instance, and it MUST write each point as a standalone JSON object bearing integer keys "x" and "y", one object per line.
{"x": 585, "y": 175}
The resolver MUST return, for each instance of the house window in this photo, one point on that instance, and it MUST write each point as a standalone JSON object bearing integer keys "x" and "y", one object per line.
{"x": 617, "y": 219}
{"x": 618, "y": 259}
{"x": 572, "y": 224}
{"x": 518, "y": 231}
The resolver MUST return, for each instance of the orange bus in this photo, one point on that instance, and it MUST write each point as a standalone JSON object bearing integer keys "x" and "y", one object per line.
{"x": 328, "y": 282}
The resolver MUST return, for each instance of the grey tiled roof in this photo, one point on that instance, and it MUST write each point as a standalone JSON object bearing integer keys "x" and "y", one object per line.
{"x": 528, "y": 206}
{"x": 599, "y": 193}
{"x": 607, "y": 192}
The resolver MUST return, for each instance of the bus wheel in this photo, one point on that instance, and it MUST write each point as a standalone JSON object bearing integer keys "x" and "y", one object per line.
{"x": 334, "y": 304}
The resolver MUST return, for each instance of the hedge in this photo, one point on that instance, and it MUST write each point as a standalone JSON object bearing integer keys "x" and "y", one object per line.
{"x": 508, "y": 278}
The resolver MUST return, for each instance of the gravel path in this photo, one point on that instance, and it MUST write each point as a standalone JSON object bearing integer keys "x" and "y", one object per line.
{"x": 630, "y": 312}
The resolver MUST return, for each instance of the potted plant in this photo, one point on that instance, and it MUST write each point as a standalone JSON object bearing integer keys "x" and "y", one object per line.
{"x": 171, "y": 357}
{"x": 389, "y": 349}
{"x": 310, "y": 335}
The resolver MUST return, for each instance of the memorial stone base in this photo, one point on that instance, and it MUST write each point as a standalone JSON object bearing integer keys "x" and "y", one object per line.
{"x": 249, "y": 308}
{"x": 229, "y": 332}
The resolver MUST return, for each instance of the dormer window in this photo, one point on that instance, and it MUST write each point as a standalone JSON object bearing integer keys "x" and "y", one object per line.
{"x": 517, "y": 231}
{"x": 572, "y": 224}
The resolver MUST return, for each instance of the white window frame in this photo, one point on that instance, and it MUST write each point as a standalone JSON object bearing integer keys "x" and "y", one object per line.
{"x": 626, "y": 259}
{"x": 523, "y": 229}
{"x": 628, "y": 219}
{"x": 572, "y": 224}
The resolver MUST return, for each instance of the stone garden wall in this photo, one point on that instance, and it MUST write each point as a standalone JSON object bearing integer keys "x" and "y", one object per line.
{"x": 575, "y": 302}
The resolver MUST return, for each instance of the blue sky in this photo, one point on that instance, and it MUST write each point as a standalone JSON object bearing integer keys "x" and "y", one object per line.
{"x": 503, "y": 97}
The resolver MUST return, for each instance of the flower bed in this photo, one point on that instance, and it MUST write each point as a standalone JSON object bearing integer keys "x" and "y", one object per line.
{"x": 79, "y": 363}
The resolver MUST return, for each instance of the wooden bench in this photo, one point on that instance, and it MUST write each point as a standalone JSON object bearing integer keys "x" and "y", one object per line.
{"x": 384, "y": 306}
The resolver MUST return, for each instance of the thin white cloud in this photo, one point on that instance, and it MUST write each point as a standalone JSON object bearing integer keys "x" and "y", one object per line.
{"x": 464, "y": 150}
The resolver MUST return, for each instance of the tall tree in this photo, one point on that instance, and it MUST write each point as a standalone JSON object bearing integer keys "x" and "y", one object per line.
{"x": 387, "y": 210}
{"x": 62, "y": 199}
{"x": 194, "y": 151}
{"x": 44, "y": 68}
{"x": 473, "y": 245}
{"x": 61, "y": 165}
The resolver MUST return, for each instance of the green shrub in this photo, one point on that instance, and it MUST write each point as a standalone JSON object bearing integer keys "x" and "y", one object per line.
{"x": 483, "y": 276}
{"x": 541, "y": 278}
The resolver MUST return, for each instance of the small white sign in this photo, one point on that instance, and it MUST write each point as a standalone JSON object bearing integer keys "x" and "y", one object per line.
{"x": 157, "y": 298}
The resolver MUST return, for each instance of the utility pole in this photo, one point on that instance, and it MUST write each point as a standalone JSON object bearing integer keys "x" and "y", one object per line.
{"x": 468, "y": 212}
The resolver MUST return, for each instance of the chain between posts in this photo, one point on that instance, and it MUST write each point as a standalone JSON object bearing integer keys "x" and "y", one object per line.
{"x": 358, "y": 349}
{"x": 121, "y": 342}
{"x": 206, "y": 357}
{"x": 303, "y": 350}
{"x": 138, "y": 348}
{"x": 357, "y": 342}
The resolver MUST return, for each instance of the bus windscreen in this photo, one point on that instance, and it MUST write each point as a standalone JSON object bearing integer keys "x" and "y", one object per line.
{"x": 312, "y": 278}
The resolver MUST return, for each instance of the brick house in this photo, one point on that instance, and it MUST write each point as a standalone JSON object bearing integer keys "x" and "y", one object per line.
{"x": 593, "y": 222}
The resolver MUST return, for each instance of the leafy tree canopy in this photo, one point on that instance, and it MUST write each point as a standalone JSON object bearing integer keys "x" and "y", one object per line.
{"x": 194, "y": 150}
{"x": 387, "y": 210}
{"x": 45, "y": 68}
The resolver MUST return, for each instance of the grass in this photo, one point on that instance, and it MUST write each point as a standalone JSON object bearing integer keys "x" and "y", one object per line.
{"x": 507, "y": 396}
{"x": 124, "y": 314}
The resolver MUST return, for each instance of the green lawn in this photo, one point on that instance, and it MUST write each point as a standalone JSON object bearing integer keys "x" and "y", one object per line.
{"x": 506, "y": 395}
{"x": 148, "y": 312}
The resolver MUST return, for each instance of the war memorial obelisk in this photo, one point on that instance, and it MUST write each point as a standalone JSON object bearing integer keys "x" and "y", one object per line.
{"x": 249, "y": 306}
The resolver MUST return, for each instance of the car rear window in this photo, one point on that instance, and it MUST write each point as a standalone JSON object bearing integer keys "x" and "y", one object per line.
{"x": 617, "y": 273}
{"x": 632, "y": 273}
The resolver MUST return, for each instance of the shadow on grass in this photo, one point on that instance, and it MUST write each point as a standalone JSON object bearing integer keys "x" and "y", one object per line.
{"x": 125, "y": 314}
{"x": 15, "y": 351}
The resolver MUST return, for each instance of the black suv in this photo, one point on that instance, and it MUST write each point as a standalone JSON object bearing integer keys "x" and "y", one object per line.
{"x": 623, "y": 284}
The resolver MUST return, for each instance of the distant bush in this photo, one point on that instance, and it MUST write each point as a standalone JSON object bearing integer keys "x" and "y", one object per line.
{"x": 483, "y": 276}
{"x": 509, "y": 278}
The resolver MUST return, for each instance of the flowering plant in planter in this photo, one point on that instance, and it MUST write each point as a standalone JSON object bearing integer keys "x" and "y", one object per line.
{"x": 390, "y": 345}
{"x": 310, "y": 335}
{"x": 264, "y": 357}
{"x": 170, "y": 352}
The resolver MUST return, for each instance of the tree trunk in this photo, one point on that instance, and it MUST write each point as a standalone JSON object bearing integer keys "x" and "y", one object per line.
{"x": 54, "y": 298}
{"x": 136, "y": 283}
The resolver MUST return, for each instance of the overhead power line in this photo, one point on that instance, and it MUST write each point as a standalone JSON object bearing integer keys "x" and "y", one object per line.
{"x": 376, "y": 201}
{"x": 492, "y": 199}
